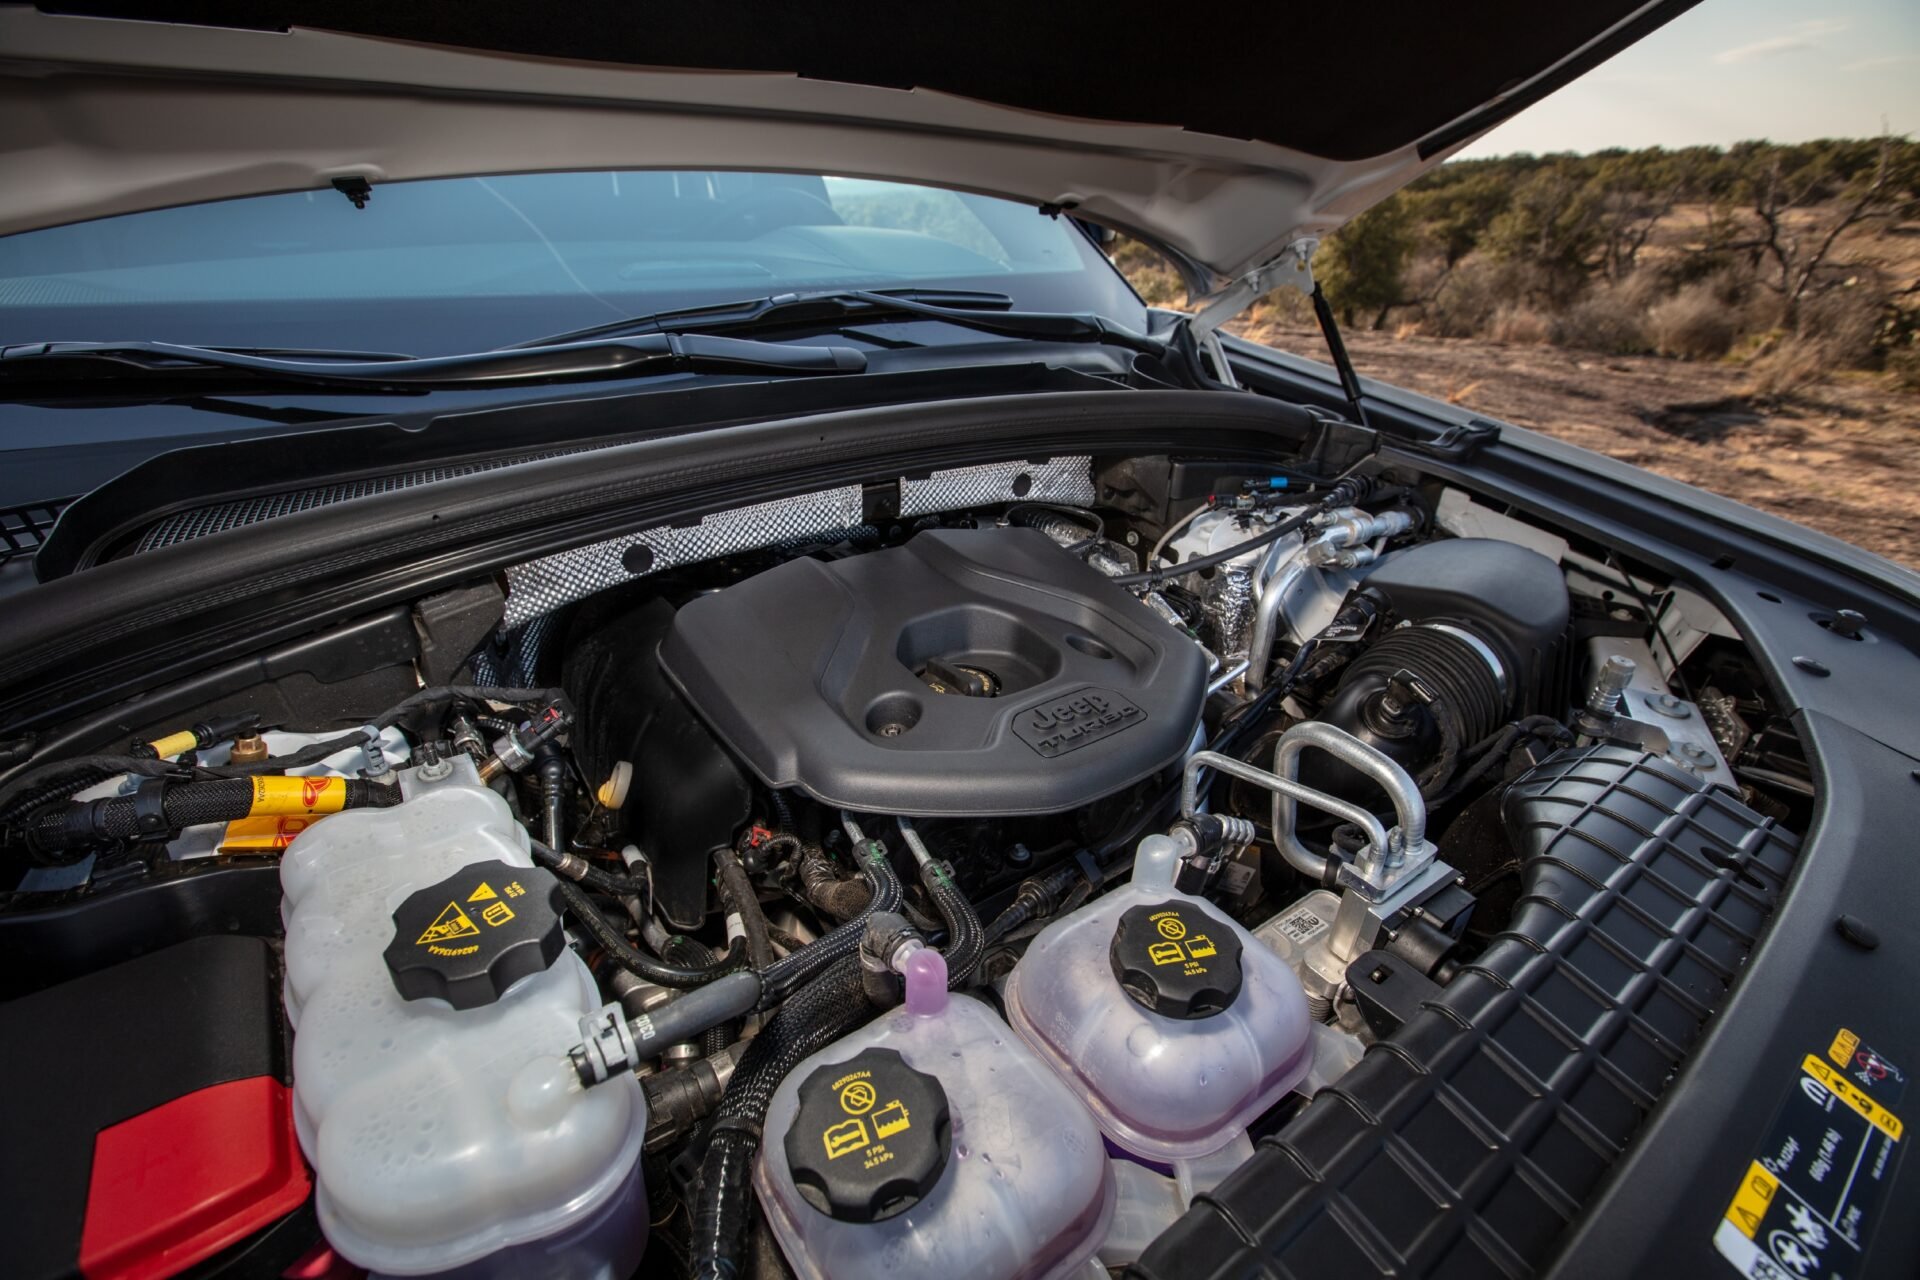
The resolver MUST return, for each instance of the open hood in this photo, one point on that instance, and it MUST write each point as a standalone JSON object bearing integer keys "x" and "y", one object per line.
{"x": 1221, "y": 144}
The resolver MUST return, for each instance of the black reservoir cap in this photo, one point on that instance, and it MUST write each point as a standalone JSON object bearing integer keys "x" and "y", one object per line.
{"x": 468, "y": 938}
{"x": 870, "y": 1138}
{"x": 1177, "y": 959}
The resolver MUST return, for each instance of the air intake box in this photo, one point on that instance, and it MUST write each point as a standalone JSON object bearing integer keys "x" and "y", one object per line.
{"x": 971, "y": 671}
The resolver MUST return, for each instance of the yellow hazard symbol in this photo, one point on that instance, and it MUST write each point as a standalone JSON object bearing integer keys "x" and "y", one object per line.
{"x": 1165, "y": 953}
{"x": 481, "y": 894}
{"x": 891, "y": 1119}
{"x": 857, "y": 1098}
{"x": 451, "y": 923}
{"x": 848, "y": 1135}
{"x": 1171, "y": 926}
{"x": 496, "y": 913}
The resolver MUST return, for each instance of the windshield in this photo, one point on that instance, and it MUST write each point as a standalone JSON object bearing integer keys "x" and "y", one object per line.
{"x": 452, "y": 265}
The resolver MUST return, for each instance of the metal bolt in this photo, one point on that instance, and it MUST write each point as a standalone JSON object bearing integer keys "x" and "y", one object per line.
{"x": 1615, "y": 674}
{"x": 1668, "y": 705}
{"x": 434, "y": 770}
{"x": 1694, "y": 751}
{"x": 1133, "y": 538}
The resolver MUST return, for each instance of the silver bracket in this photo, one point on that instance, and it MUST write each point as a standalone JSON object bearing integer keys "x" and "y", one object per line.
{"x": 1293, "y": 267}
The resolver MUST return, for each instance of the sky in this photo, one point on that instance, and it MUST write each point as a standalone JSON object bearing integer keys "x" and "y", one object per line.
{"x": 1730, "y": 70}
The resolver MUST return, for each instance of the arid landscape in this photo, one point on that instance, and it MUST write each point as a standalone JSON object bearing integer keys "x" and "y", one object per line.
{"x": 1842, "y": 457}
{"x": 1744, "y": 319}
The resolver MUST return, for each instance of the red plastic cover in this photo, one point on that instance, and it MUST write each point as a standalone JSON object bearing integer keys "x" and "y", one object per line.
{"x": 181, "y": 1182}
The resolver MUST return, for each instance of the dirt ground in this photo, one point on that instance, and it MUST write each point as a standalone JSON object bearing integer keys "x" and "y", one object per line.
{"x": 1842, "y": 457}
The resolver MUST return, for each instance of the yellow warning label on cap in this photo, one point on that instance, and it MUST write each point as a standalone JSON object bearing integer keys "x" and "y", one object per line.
{"x": 481, "y": 894}
{"x": 451, "y": 923}
{"x": 274, "y": 795}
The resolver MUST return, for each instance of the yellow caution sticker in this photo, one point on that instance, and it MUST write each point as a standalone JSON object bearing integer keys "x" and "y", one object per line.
{"x": 1841, "y": 1050}
{"x": 1821, "y": 1178}
{"x": 1750, "y": 1202}
{"x": 275, "y": 795}
{"x": 481, "y": 894}
{"x": 1853, "y": 1096}
{"x": 449, "y": 924}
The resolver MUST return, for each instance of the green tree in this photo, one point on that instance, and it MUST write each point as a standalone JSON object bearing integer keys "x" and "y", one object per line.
{"x": 1362, "y": 266}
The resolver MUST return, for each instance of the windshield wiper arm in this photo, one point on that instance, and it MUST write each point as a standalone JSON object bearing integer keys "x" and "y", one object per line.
{"x": 853, "y": 306}
{"x": 76, "y": 364}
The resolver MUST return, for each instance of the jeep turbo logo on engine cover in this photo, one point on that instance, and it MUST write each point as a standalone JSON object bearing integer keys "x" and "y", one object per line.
{"x": 1055, "y": 728}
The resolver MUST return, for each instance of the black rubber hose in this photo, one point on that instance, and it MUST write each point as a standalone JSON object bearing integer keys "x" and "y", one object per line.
{"x": 821, "y": 885}
{"x": 737, "y": 896}
{"x": 359, "y": 737}
{"x": 182, "y": 804}
{"x": 792, "y": 970}
{"x": 782, "y": 810}
{"x": 610, "y": 938}
{"x": 682, "y": 950}
{"x": 58, "y": 779}
{"x": 818, "y": 1014}
{"x": 966, "y": 940}
{"x": 580, "y": 871}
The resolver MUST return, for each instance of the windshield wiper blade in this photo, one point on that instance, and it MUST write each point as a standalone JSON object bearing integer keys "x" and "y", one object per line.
{"x": 966, "y": 310}
{"x": 78, "y": 364}
{"x": 780, "y": 310}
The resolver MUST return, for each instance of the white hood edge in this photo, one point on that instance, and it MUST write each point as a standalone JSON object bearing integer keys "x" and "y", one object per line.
{"x": 108, "y": 116}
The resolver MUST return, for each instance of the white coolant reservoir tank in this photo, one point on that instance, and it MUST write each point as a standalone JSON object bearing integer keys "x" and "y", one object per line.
{"x": 931, "y": 1145}
{"x": 447, "y": 1130}
{"x": 1169, "y": 1019}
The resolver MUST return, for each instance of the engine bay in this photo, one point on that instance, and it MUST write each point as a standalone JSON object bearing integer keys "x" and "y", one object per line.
{"x": 963, "y": 877}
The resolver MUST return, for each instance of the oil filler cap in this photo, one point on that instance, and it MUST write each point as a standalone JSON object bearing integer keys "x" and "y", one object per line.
{"x": 870, "y": 1138}
{"x": 468, "y": 938}
{"x": 1177, "y": 959}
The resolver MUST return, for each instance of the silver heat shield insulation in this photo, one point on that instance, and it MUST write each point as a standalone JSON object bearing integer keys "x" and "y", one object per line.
{"x": 538, "y": 587}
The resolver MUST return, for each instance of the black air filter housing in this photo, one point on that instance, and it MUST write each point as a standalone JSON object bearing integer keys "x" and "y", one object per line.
{"x": 969, "y": 672}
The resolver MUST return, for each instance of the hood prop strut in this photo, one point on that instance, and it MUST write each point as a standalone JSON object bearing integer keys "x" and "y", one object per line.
{"x": 1342, "y": 363}
{"x": 1291, "y": 268}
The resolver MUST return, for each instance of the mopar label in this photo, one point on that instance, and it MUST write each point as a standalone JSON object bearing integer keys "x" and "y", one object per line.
{"x": 1066, "y": 724}
{"x": 1809, "y": 1200}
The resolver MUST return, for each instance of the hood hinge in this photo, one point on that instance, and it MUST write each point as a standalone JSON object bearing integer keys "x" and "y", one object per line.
{"x": 1292, "y": 267}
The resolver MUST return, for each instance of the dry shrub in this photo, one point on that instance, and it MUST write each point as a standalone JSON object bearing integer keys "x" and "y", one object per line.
{"x": 1846, "y": 321}
{"x": 1610, "y": 320}
{"x": 1151, "y": 275}
{"x": 1519, "y": 323}
{"x": 1795, "y": 363}
{"x": 1695, "y": 324}
{"x": 1903, "y": 363}
{"x": 1465, "y": 304}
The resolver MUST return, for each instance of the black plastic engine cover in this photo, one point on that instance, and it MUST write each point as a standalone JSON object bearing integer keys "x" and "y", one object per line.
{"x": 821, "y": 675}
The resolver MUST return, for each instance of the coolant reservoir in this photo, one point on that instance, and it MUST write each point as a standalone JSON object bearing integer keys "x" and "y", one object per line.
{"x": 1169, "y": 1019}
{"x": 431, "y": 1089}
{"x": 932, "y": 1144}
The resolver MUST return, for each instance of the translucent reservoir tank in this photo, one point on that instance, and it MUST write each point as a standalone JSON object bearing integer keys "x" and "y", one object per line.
{"x": 447, "y": 1137}
{"x": 931, "y": 1145}
{"x": 1174, "y": 1024}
